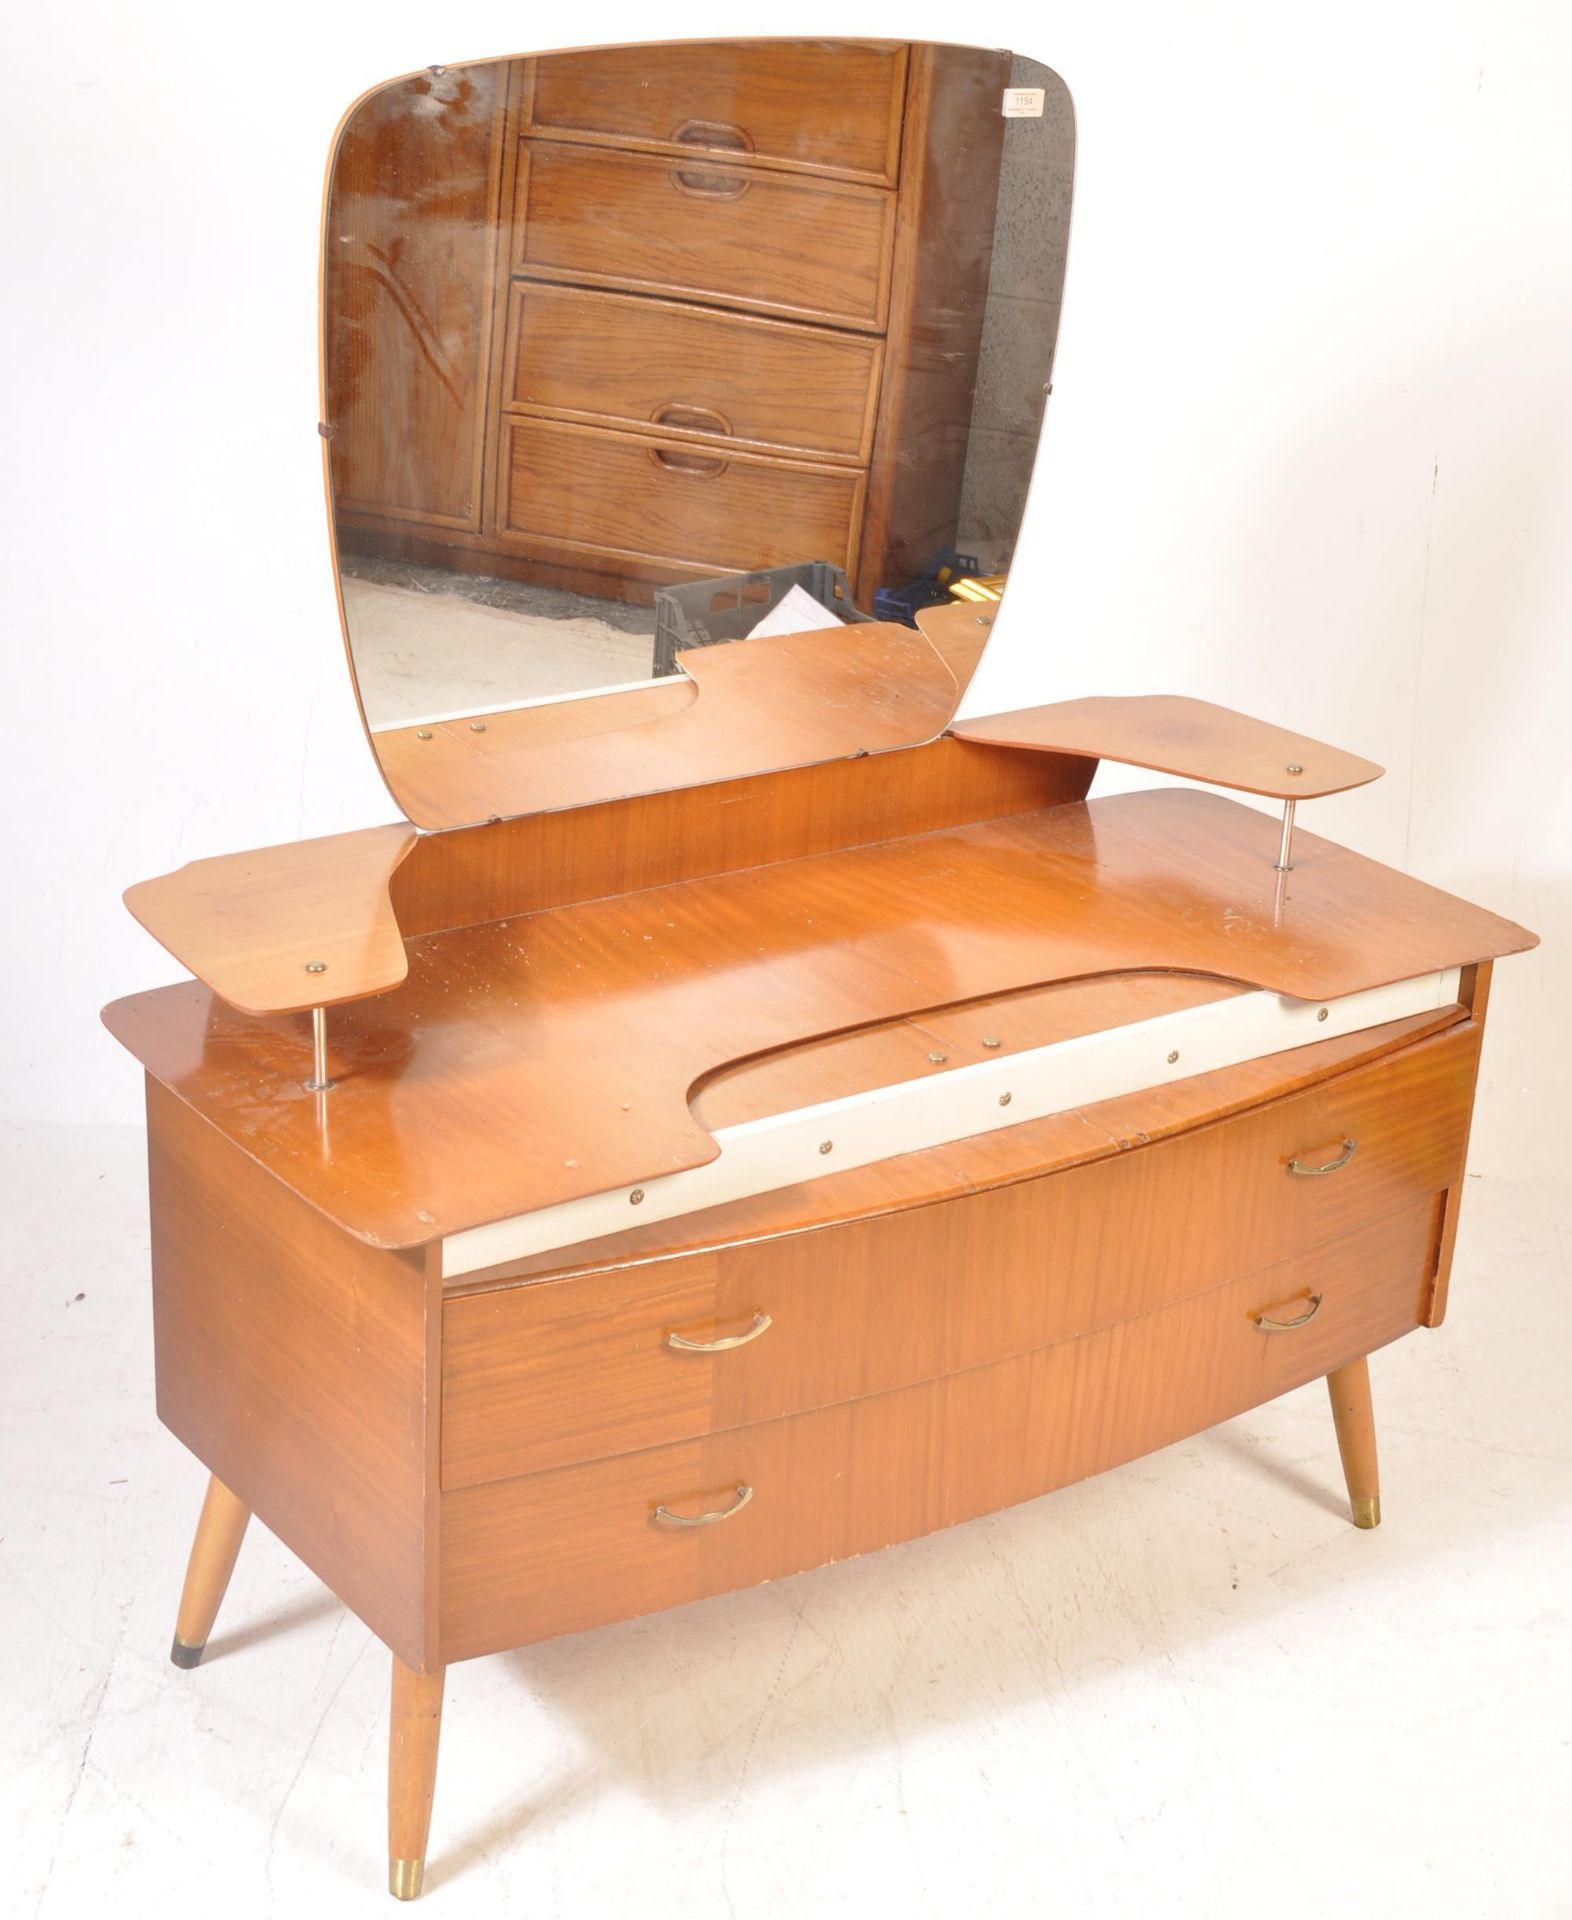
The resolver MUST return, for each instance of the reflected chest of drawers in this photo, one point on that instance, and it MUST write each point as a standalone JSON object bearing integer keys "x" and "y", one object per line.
{"x": 729, "y": 316}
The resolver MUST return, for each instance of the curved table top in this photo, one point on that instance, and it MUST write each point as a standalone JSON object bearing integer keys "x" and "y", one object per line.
{"x": 549, "y": 1056}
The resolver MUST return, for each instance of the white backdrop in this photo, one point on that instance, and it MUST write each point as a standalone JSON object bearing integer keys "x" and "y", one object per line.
{"x": 1309, "y": 454}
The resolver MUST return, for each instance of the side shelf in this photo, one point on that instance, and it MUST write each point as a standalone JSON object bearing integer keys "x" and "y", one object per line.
{"x": 1172, "y": 734}
{"x": 282, "y": 929}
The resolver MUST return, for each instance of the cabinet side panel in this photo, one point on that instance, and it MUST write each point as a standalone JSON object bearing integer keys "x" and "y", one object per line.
{"x": 944, "y": 245}
{"x": 293, "y": 1361}
{"x": 1476, "y": 997}
{"x": 411, "y": 241}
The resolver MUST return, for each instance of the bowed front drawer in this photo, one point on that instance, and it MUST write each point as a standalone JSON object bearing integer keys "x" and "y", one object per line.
{"x": 548, "y": 1373}
{"x": 551, "y": 1553}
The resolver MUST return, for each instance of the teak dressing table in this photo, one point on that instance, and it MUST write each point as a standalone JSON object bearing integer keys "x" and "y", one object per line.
{"x": 767, "y": 1119}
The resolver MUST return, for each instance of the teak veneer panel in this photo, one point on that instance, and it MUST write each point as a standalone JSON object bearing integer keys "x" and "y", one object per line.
{"x": 284, "y": 928}
{"x": 1054, "y": 1143}
{"x": 785, "y": 700}
{"x": 295, "y": 1362}
{"x": 691, "y": 832}
{"x": 957, "y": 633}
{"x": 539, "y": 724}
{"x": 556, "y": 1552}
{"x": 550, "y": 1056}
{"x": 548, "y": 1374}
{"x": 835, "y": 1065}
{"x": 1172, "y": 734}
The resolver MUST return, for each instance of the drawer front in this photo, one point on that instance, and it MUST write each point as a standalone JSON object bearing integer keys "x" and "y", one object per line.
{"x": 591, "y": 491}
{"x": 792, "y": 103}
{"x": 555, "y": 1552}
{"x": 700, "y": 229}
{"x": 623, "y": 361}
{"x": 542, "y": 1375}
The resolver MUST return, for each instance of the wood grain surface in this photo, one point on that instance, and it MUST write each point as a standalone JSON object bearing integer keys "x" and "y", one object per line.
{"x": 1021, "y": 1152}
{"x": 830, "y": 106}
{"x": 958, "y": 633}
{"x": 294, "y": 1362}
{"x": 540, "y": 1058}
{"x": 940, "y": 277}
{"x": 281, "y": 929}
{"x": 543, "y": 1375}
{"x": 412, "y": 243}
{"x": 1176, "y": 735}
{"x": 556, "y": 1552}
{"x": 695, "y": 372}
{"x": 798, "y": 245}
{"x": 692, "y": 832}
{"x": 595, "y": 494}
{"x": 783, "y": 701}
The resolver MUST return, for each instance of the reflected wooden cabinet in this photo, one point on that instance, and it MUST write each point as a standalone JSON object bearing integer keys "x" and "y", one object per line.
{"x": 637, "y": 316}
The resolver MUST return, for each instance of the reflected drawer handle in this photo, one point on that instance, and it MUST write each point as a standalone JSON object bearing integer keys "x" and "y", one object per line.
{"x": 710, "y": 186}
{"x": 680, "y": 1341}
{"x": 1350, "y": 1148}
{"x": 1268, "y": 1325}
{"x": 712, "y": 133}
{"x": 689, "y": 419}
{"x": 695, "y": 466}
{"x": 670, "y": 1519}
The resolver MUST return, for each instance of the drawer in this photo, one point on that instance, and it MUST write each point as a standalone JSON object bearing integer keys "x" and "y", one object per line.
{"x": 544, "y": 1374}
{"x": 705, "y": 230}
{"x": 590, "y": 491}
{"x": 524, "y": 1559}
{"x": 619, "y": 360}
{"x": 786, "y": 103}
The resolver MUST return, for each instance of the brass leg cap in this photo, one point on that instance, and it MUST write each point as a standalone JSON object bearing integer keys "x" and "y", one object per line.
{"x": 405, "y": 1877}
{"x": 1367, "y": 1511}
{"x": 183, "y": 1655}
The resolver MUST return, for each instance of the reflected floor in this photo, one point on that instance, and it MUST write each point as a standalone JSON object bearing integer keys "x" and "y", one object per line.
{"x": 429, "y": 642}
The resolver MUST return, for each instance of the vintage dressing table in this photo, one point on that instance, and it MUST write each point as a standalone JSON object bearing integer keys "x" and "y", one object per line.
{"x": 747, "y": 1117}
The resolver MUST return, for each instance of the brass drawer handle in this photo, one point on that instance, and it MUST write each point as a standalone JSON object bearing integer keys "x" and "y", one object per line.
{"x": 1269, "y": 1325}
{"x": 1350, "y": 1148}
{"x": 670, "y": 1519}
{"x": 680, "y": 1341}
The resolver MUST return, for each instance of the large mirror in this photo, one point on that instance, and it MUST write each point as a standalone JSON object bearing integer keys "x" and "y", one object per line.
{"x": 680, "y": 403}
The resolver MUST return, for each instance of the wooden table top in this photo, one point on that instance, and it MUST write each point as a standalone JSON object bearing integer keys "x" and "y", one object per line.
{"x": 538, "y": 1059}
{"x": 1173, "y": 734}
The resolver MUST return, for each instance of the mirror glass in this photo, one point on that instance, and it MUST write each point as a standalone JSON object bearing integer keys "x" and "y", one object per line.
{"x": 666, "y": 388}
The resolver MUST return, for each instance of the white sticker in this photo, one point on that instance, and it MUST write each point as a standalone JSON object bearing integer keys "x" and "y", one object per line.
{"x": 1024, "y": 103}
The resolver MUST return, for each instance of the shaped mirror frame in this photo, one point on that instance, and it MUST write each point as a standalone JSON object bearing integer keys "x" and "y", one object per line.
{"x": 628, "y": 350}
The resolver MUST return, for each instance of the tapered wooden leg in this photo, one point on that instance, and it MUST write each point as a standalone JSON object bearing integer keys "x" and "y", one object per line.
{"x": 219, "y": 1533}
{"x": 1354, "y": 1419}
{"x": 412, "y": 1774}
